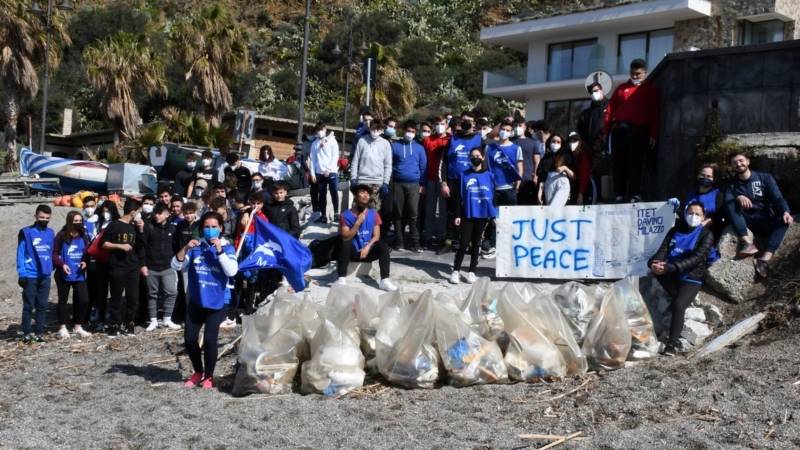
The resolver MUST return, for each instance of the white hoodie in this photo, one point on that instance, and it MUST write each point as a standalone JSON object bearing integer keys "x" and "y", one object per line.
{"x": 325, "y": 155}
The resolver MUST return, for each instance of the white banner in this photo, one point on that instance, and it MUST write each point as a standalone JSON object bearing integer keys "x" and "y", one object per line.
{"x": 574, "y": 242}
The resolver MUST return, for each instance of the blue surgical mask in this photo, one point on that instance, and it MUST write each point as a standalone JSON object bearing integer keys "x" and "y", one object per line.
{"x": 390, "y": 131}
{"x": 210, "y": 233}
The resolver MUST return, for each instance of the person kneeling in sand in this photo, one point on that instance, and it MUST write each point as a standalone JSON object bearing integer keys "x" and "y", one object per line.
{"x": 360, "y": 232}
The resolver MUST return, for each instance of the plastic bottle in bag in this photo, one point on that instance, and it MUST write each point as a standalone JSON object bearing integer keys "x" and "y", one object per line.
{"x": 336, "y": 365}
{"x": 644, "y": 342}
{"x": 578, "y": 304}
{"x": 481, "y": 308}
{"x": 405, "y": 353}
{"x": 608, "y": 338}
{"x": 468, "y": 358}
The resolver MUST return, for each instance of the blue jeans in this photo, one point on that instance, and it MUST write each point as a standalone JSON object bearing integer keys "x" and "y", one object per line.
{"x": 34, "y": 296}
{"x": 321, "y": 188}
{"x": 760, "y": 222}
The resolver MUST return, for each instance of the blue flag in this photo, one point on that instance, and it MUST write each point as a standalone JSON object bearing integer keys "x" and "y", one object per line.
{"x": 277, "y": 249}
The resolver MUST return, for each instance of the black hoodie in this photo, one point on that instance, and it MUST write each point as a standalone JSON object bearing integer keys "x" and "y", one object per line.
{"x": 284, "y": 216}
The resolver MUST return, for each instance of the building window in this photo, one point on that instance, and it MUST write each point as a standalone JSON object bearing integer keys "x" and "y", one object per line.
{"x": 562, "y": 115}
{"x": 570, "y": 60}
{"x": 651, "y": 46}
{"x": 764, "y": 32}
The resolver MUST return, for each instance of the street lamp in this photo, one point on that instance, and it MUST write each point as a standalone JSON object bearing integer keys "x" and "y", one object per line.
{"x": 303, "y": 74}
{"x": 65, "y": 5}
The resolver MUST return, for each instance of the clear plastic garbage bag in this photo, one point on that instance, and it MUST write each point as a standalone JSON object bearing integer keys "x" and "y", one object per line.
{"x": 481, "y": 308}
{"x": 405, "y": 353}
{"x": 608, "y": 339}
{"x": 579, "y": 304}
{"x": 468, "y": 358}
{"x": 644, "y": 341}
{"x": 336, "y": 365}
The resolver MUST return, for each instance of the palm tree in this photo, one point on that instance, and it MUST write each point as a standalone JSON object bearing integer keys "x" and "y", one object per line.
{"x": 395, "y": 91}
{"x": 22, "y": 44}
{"x": 117, "y": 65}
{"x": 213, "y": 47}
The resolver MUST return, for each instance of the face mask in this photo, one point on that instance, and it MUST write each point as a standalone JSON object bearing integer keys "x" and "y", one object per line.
{"x": 504, "y": 134}
{"x": 210, "y": 233}
{"x": 408, "y": 137}
{"x": 573, "y": 146}
{"x": 206, "y": 163}
{"x": 519, "y": 131}
{"x": 426, "y": 134}
{"x": 391, "y": 132}
{"x": 636, "y": 82}
{"x": 191, "y": 165}
{"x": 485, "y": 132}
{"x": 555, "y": 147}
{"x": 42, "y": 223}
{"x": 440, "y": 129}
{"x": 375, "y": 134}
{"x": 106, "y": 216}
{"x": 321, "y": 134}
{"x": 705, "y": 182}
{"x": 466, "y": 125}
{"x": 360, "y": 208}
{"x": 476, "y": 161}
{"x": 147, "y": 208}
{"x": 257, "y": 184}
{"x": 88, "y": 211}
{"x": 597, "y": 96}
{"x": 693, "y": 220}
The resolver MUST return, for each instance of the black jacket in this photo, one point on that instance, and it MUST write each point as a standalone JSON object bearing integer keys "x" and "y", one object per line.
{"x": 590, "y": 122}
{"x": 284, "y": 216}
{"x": 185, "y": 232}
{"x": 694, "y": 263}
{"x": 158, "y": 242}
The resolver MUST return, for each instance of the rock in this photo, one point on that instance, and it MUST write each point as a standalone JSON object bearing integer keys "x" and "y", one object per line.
{"x": 695, "y": 332}
{"x": 713, "y": 315}
{"x": 696, "y": 314}
{"x": 728, "y": 242}
{"x": 732, "y": 278}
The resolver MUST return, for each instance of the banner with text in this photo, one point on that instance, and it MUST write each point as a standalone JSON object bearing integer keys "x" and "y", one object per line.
{"x": 600, "y": 241}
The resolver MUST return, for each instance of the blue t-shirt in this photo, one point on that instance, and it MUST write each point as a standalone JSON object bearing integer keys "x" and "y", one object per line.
{"x": 364, "y": 234}
{"x": 477, "y": 195}
{"x": 457, "y": 156}
{"x": 503, "y": 164}
{"x": 72, "y": 253}
{"x": 208, "y": 284}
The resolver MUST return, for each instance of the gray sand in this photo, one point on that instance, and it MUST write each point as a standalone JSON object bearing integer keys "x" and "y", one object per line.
{"x": 127, "y": 393}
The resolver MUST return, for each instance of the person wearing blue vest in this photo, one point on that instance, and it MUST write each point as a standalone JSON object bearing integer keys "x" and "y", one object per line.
{"x": 707, "y": 193}
{"x": 476, "y": 209}
{"x": 454, "y": 163}
{"x": 210, "y": 263}
{"x": 34, "y": 268}
{"x": 505, "y": 161}
{"x": 70, "y": 259}
{"x": 409, "y": 167}
{"x": 360, "y": 233}
{"x": 680, "y": 264}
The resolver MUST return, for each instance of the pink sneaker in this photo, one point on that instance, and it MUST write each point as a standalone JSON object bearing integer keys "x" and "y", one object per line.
{"x": 208, "y": 383}
{"x": 193, "y": 380}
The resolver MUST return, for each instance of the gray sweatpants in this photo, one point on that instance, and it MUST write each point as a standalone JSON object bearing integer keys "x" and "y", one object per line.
{"x": 163, "y": 285}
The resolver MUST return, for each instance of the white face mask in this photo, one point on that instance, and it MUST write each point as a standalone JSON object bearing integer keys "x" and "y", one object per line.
{"x": 693, "y": 220}
{"x": 636, "y": 82}
{"x": 555, "y": 147}
{"x": 375, "y": 134}
{"x": 409, "y": 136}
{"x": 321, "y": 134}
{"x": 597, "y": 96}
{"x": 191, "y": 165}
{"x": 106, "y": 216}
{"x": 137, "y": 217}
{"x": 89, "y": 211}
{"x": 519, "y": 131}
{"x": 504, "y": 134}
{"x": 147, "y": 208}
{"x": 426, "y": 134}
{"x": 573, "y": 146}
{"x": 257, "y": 184}
{"x": 206, "y": 163}
{"x": 440, "y": 129}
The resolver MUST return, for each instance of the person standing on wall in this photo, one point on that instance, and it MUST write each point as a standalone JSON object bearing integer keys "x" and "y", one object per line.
{"x": 409, "y": 165}
{"x": 631, "y": 126}
{"x": 526, "y": 193}
{"x": 372, "y": 165}
{"x": 324, "y": 171}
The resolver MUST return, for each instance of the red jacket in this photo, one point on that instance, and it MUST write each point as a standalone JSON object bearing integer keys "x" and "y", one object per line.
{"x": 638, "y": 105}
{"x": 435, "y": 146}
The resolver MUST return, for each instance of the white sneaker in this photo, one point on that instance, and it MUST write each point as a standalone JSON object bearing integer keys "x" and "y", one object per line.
{"x": 471, "y": 278}
{"x": 387, "y": 285}
{"x": 168, "y": 323}
{"x": 490, "y": 254}
{"x": 153, "y": 325}
{"x": 342, "y": 281}
{"x": 77, "y": 329}
{"x": 63, "y": 333}
{"x": 455, "y": 277}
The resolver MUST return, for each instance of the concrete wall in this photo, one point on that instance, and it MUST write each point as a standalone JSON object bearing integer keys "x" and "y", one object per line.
{"x": 757, "y": 89}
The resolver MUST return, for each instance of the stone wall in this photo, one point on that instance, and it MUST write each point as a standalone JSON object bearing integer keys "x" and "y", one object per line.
{"x": 757, "y": 90}
{"x": 790, "y": 8}
{"x": 778, "y": 154}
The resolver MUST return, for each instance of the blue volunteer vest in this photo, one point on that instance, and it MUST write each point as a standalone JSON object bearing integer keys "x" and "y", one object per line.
{"x": 503, "y": 163}
{"x": 72, "y": 255}
{"x": 207, "y": 282}
{"x": 708, "y": 200}
{"x": 477, "y": 194}
{"x": 458, "y": 154}
{"x": 39, "y": 245}
{"x": 681, "y": 245}
{"x": 364, "y": 234}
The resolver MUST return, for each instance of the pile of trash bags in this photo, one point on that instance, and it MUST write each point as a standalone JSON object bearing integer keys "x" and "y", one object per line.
{"x": 418, "y": 341}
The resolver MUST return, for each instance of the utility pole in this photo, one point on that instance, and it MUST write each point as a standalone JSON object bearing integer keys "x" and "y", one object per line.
{"x": 303, "y": 75}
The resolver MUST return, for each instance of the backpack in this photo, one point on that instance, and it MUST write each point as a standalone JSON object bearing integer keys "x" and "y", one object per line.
{"x": 96, "y": 250}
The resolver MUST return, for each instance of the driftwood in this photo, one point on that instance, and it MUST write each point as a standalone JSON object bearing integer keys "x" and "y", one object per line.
{"x": 562, "y": 440}
{"x": 736, "y": 332}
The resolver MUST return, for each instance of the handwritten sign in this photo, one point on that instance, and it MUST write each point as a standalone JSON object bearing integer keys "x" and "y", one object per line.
{"x": 574, "y": 242}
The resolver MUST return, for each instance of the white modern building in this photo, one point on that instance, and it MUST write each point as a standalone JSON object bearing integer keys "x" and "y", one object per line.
{"x": 563, "y": 49}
